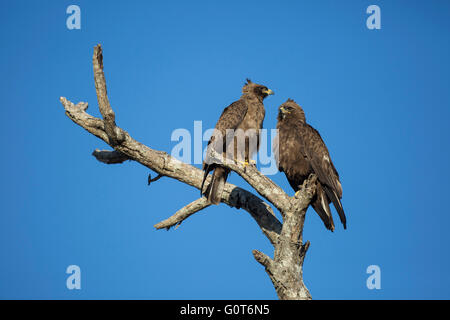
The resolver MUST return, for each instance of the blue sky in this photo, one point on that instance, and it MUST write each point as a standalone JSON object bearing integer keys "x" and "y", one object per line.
{"x": 380, "y": 99}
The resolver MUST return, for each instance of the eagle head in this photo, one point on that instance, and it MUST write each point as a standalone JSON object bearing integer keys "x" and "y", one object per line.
{"x": 291, "y": 110}
{"x": 258, "y": 90}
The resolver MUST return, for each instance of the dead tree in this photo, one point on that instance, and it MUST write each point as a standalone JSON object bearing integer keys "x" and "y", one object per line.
{"x": 285, "y": 268}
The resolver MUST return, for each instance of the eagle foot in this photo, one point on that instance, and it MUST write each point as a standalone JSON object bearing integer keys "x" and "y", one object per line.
{"x": 246, "y": 163}
{"x": 243, "y": 163}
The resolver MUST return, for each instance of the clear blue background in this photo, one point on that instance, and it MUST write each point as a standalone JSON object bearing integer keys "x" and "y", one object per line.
{"x": 379, "y": 98}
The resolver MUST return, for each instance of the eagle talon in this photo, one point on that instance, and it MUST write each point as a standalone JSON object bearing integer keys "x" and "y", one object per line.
{"x": 247, "y": 163}
{"x": 244, "y": 163}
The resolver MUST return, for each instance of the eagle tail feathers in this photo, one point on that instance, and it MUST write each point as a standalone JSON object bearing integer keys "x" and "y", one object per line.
{"x": 338, "y": 205}
{"x": 321, "y": 206}
{"x": 215, "y": 189}
{"x": 206, "y": 169}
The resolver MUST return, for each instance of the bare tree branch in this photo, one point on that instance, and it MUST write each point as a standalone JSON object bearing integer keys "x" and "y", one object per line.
{"x": 109, "y": 117}
{"x": 165, "y": 165}
{"x": 285, "y": 269}
{"x": 263, "y": 259}
{"x": 150, "y": 180}
{"x": 262, "y": 184}
{"x": 183, "y": 214}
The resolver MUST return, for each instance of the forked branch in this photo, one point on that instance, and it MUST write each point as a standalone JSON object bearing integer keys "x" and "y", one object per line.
{"x": 285, "y": 269}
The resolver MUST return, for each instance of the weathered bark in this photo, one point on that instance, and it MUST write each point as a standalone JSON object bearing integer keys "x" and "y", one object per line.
{"x": 183, "y": 214}
{"x": 285, "y": 269}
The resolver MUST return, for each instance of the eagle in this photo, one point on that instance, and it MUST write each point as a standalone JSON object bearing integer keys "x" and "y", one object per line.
{"x": 243, "y": 118}
{"x": 299, "y": 152}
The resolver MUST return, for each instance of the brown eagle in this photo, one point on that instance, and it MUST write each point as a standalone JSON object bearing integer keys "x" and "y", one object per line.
{"x": 301, "y": 151}
{"x": 244, "y": 116}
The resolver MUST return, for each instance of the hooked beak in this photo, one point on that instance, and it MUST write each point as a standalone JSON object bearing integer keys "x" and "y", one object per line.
{"x": 283, "y": 111}
{"x": 269, "y": 92}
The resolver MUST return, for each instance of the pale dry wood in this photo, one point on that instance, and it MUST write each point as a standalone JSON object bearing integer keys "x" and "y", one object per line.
{"x": 183, "y": 214}
{"x": 285, "y": 269}
{"x": 165, "y": 165}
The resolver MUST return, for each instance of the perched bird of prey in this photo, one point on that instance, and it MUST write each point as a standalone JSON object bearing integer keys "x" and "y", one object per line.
{"x": 301, "y": 151}
{"x": 245, "y": 115}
